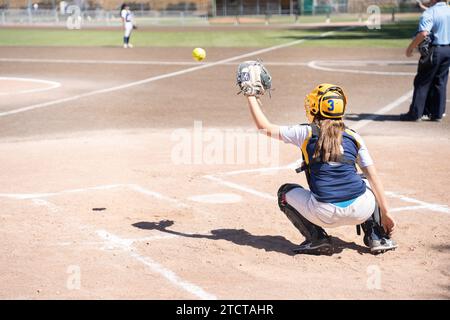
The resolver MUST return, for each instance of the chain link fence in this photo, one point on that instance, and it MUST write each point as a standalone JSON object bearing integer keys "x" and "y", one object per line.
{"x": 91, "y": 18}
{"x": 90, "y": 13}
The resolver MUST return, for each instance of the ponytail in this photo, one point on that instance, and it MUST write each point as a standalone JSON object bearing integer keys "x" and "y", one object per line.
{"x": 328, "y": 147}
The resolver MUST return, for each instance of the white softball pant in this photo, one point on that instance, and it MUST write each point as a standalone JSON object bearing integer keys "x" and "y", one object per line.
{"x": 128, "y": 29}
{"x": 328, "y": 215}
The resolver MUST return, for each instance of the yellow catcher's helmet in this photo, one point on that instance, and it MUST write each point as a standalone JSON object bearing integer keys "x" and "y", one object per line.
{"x": 326, "y": 99}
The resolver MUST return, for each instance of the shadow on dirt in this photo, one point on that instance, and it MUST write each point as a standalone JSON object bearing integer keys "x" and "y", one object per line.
{"x": 441, "y": 247}
{"x": 244, "y": 238}
{"x": 372, "y": 116}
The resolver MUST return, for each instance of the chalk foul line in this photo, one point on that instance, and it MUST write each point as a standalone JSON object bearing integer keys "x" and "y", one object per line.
{"x": 124, "y": 245}
{"x": 111, "y": 241}
{"x": 159, "y": 77}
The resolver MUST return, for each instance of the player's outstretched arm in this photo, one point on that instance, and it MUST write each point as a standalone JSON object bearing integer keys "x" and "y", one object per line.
{"x": 386, "y": 220}
{"x": 260, "y": 119}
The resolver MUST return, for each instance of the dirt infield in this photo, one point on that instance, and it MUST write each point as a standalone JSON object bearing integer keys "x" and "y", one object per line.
{"x": 93, "y": 205}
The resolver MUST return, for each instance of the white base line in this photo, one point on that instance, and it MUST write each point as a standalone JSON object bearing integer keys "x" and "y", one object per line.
{"x": 160, "y": 77}
{"x": 138, "y": 62}
{"x": 117, "y": 242}
{"x": 386, "y": 109}
{"x": 315, "y": 65}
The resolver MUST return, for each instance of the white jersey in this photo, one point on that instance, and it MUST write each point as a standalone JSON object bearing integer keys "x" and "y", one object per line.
{"x": 127, "y": 16}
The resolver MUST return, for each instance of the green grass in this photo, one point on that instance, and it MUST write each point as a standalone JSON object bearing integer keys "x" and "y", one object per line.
{"x": 396, "y": 35}
{"x": 142, "y": 38}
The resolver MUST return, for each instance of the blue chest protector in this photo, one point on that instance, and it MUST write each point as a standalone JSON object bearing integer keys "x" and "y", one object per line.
{"x": 333, "y": 182}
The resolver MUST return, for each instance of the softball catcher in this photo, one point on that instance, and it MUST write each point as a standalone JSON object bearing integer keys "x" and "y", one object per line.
{"x": 337, "y": 194}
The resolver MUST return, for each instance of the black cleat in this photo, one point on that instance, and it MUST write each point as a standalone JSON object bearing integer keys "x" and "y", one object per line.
{"x": 380, "y": 245}
{"x": 315, "y": 247}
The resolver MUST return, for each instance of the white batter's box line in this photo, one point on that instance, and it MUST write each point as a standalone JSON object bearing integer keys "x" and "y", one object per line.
{"x": 39, "y": 197}
{"x": 241, "y": 187}
{"x": 125, "y": 245}
{"x": 55, "y": 209}
{"x": 421, "y": 204}
{"x": 104, "y": 244}
{"x": 111, "y": 241}
{"x": 133, "y": 187}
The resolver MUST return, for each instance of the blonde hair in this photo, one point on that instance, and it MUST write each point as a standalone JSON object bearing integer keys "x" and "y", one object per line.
{"x": 328, "y": 147}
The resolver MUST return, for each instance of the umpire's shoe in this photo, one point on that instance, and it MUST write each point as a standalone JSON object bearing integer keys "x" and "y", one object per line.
{"x": 409, "y": 117}
{"x": 315, "y": 247}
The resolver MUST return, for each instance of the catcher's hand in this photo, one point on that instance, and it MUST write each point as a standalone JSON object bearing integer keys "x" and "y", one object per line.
{"x": 253, "y": 78}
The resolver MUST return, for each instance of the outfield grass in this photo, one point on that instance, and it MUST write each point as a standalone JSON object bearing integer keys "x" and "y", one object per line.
{"x": 396, "y": 35}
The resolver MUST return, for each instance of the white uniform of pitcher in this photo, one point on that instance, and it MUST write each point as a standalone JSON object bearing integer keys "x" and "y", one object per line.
{"x": 127, "y": 20}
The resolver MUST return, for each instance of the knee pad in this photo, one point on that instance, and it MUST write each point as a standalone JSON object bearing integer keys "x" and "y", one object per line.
{"x": 285, "y": 188}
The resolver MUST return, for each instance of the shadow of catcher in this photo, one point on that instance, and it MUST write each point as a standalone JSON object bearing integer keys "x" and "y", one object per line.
{"x": 244, "y": 238}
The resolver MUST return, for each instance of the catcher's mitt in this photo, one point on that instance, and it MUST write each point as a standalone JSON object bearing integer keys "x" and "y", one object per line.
{"x": 426, "y": 49}
{"x": 253, "y": 78}
{"x": 135, "y": 26}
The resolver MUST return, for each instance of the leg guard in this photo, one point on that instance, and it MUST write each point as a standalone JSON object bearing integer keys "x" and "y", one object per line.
{"x": 372, "y": 227}
{"x": 375, "y": 237}
{"x": 309, "y": 230}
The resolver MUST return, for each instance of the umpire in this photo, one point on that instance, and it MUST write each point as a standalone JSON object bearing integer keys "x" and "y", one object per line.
{"x": 430, "y": 83}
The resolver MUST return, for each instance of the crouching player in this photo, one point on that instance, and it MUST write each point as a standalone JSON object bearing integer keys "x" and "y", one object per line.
{"x": 337, "y": 194}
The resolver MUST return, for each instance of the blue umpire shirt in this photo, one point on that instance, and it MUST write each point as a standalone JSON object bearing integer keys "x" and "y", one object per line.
{"x": 437, "y": 21}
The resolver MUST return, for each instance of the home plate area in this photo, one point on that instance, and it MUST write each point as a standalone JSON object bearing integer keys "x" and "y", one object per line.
{"x": 217, "y": 227}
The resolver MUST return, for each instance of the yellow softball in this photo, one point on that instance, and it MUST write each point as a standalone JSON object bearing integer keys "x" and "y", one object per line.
{"x": 199, "y": 54}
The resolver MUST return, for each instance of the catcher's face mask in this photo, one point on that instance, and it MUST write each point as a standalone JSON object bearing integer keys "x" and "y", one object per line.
{"x": 326, "y": 99}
